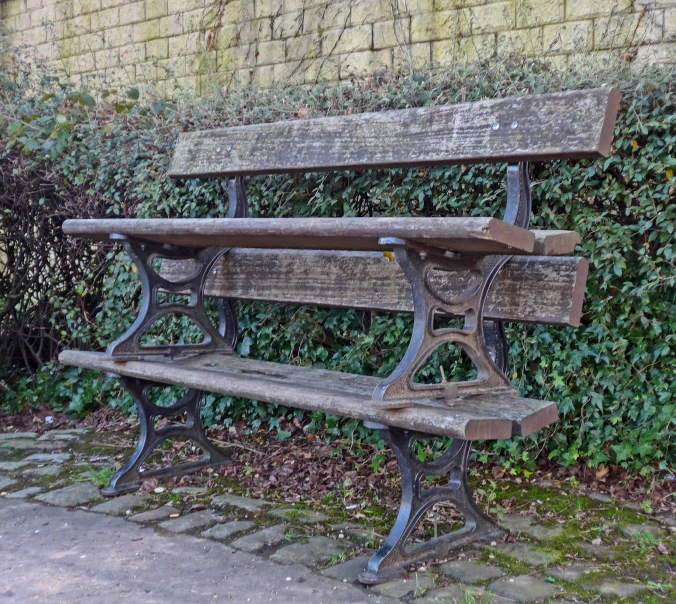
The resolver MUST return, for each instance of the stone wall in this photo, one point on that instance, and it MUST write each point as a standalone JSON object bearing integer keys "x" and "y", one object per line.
{"x": 191, "y": 43}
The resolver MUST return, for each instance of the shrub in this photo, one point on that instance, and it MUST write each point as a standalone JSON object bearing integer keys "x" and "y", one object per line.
{"x": 66, "y": 154}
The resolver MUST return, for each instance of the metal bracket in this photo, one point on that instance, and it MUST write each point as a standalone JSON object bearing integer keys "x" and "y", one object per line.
{"x": 216, "y": 340}
{"x": 483, "y": 341}
{"x": 393, "y": 554}
{"x": 131, "y": 476}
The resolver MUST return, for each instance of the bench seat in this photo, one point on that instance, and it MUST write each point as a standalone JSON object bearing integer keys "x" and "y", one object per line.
{"x": 344, "y": 394}
{"x": 474, "y": 235}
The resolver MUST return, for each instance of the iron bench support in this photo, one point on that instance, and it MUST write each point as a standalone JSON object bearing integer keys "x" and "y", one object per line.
{"x": 132, "y": 475}
{"x": 416, "y": 500}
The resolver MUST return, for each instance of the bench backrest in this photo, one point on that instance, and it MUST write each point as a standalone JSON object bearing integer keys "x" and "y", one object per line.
{"x": 576, "y": 124}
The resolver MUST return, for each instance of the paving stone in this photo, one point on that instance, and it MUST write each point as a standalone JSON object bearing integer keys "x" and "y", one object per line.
{"x": 526, "y": 553}
{"x": 615, "y": 589}
{"x": 530, "y": 526}
{"x": 470, "y": 572}
{"x": 58, "y": 436}
{"x": 189, "y": 490}
{"x": 244, "y": 503}
{"x": 154, "y": 515}
{"x": 524, "y": 589}
{"x": 76, "y": 494}
{"x": 636, "y": 530}
{"x": 12, "y": 466}
{"x": 602, "y": 497}
{"x": 667, "y": 519}
{"x": 574, "y": 572}
{"x": 14, "y": 435}
{"x": 119, "y": 505}
{"x": 302, "y": 516}
{"x": 24, "y": 493}
{"x": 310, "y": 553}
{"x": 347, "y": 572}
{"x": 190, "y": 522}
{"x": 257, "y": 542}
{"x": 43, "y": 471}
{"x": 400, "y": 588}
{"x": 49, "y": 457}
{"x": 229, "y": 529}
{"x": 601, "y": 552}
{"x": 460, "y": 593}
{"x": 6, "y": 481}
{"x": 18, "y": 444}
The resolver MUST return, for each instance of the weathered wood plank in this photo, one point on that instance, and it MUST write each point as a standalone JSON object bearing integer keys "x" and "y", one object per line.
{"x": 554, "y": 243}
{"x": 563, "y": 125}
{"x": 477, "y": 235}
{"x": 347, "y": 395}
{"x": 531, "y": 289}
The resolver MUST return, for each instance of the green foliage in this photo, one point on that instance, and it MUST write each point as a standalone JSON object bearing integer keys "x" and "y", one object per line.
{"x": 613, "y": 377}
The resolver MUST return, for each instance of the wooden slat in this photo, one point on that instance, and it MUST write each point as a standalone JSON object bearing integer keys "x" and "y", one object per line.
{"x": 554, "y": 243}
{"x": 477, "y": 235}
{"x": 574, "y": 124}
{"x": 527, "y": 289}
{"x": 347, "y": 395}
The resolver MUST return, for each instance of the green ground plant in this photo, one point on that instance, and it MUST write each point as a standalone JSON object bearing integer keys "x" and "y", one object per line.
{"x": 66, "y": 152}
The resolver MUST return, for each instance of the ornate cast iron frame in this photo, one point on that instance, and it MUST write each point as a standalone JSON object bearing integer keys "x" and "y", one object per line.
{"x": 221, "y": 340}
{"x": 483, "y": 341}
{"x": 416, "y": 501}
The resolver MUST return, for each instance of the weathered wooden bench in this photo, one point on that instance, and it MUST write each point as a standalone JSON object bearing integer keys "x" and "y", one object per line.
{"x": 484, "y": 270}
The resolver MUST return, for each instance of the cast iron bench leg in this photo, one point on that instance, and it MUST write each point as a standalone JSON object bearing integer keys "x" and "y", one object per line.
{"x": 416, "y": 500}
{"x": 131, "y": 476}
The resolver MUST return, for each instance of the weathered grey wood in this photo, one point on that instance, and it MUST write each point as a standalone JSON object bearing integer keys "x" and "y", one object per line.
{"x": 477, "y": 235}
{"x": 532, "y": 128}
{"x": 348, "y": 395}
{"x": 528, "y": 288}
{"x": 554, "y": 243}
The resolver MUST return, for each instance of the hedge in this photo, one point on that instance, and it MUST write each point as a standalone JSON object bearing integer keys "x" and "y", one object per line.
{"x": 65, "y": 153}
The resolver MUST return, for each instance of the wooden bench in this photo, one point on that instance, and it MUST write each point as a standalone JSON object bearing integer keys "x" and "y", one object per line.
{"x": 484, "y": 270}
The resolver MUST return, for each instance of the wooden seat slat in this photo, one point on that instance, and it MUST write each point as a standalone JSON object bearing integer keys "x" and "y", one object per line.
{"x": 528, "y": 288}
{"x": 348, "y": 395}
{"x": 576, "y": 124}
{"x": 476, "y": 235}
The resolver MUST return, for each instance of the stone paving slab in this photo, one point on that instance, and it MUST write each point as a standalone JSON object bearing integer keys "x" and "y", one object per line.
{"x": 257, "y": 542}
{"x": 302, "y": 516}
{"x": 190, "y": 490}
{"x": 58, "y": 436}
{"x": 615, "y": 589}
{"x": 524, "y": 589}
{"x": 75, "y": 494}
{"x": 119, "y": 505}
{"x": 42, "y": 472}
{"x": 243, "y": 503}
{"x": 190, "y": 522}
{"x": 228, "y": 530}
{"x": 526, "y": 553}
{"x": 400, "y": 588}
{"x": 348, "y": 571}
{"x": 311, "y": 553}
{"x": 600, "y": 552}
{"x": 574, "y": 572}
{"x": 20, "y": 444}
{"x": 49, "y": 457}
{"x": 14, "y": 435}
{"x": 530, "y": 526}
{"x": 24, "y": 493}
{"x": 154, "y": 515}
{"x": 12, "y": 466}
{"x": 6, "y": 481}
{"x": 466, "y": 571}
{"x": 52, "y": 555}
{"x": 637, "y": 530}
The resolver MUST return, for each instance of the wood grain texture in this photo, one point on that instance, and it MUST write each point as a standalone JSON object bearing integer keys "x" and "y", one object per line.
{"x": 577, "y": 124}
{"x": 554, "y": 243}
{"x": 476, "y": 235}
{"x": 347, "y": 395}
{"x": 529, "y": 288}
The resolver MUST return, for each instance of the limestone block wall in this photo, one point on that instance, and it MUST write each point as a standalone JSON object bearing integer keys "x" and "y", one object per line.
{"x": 192, "y": 43}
